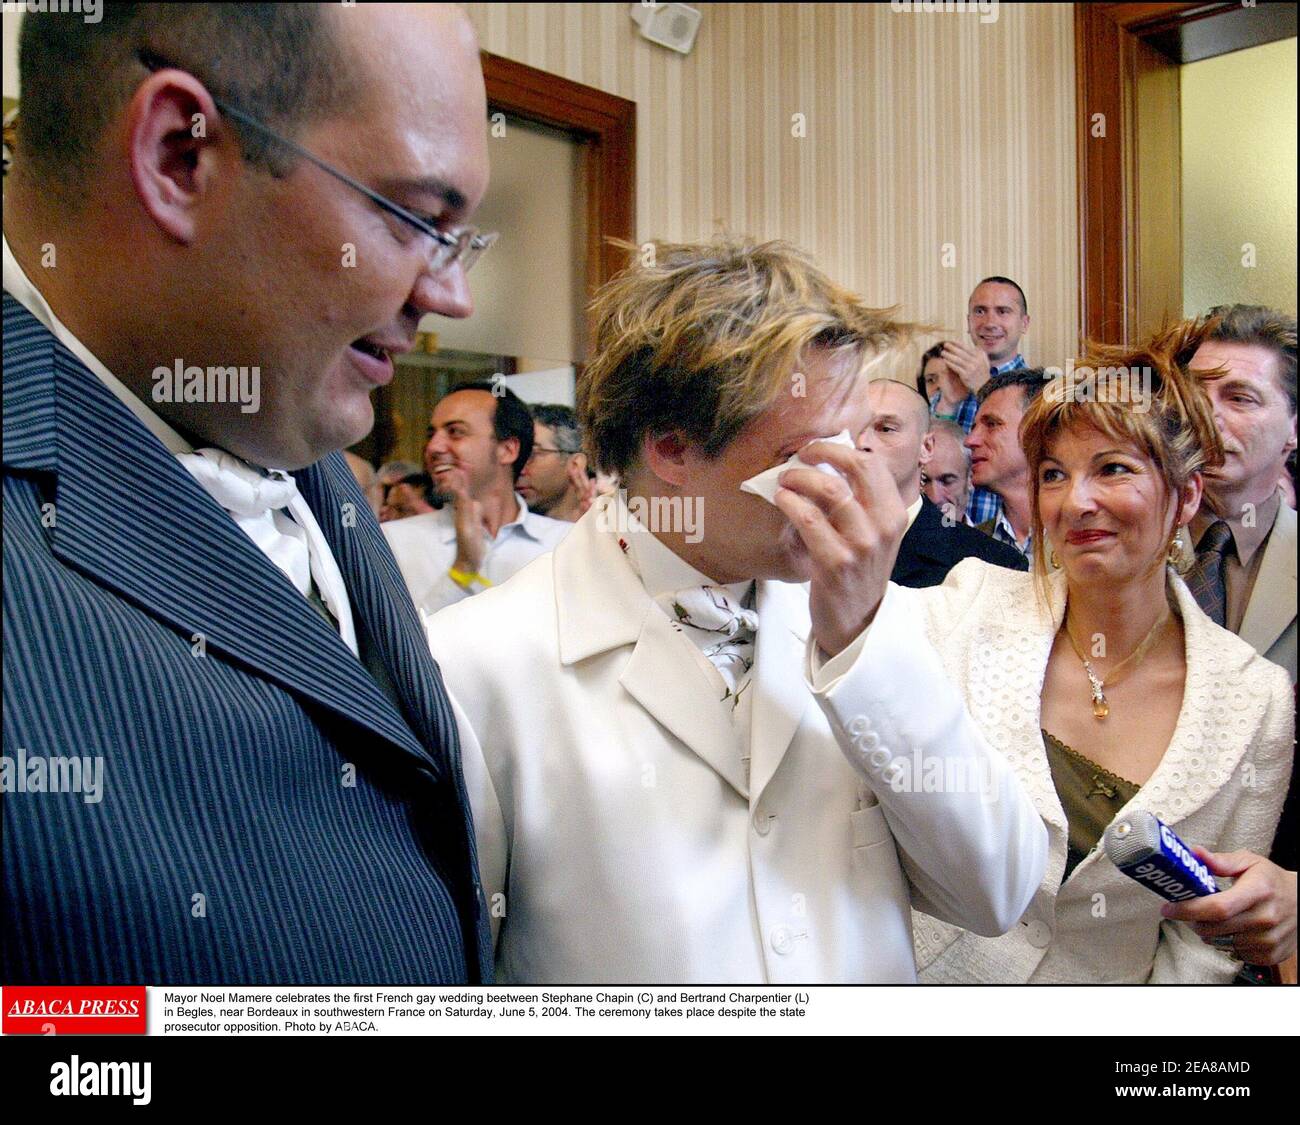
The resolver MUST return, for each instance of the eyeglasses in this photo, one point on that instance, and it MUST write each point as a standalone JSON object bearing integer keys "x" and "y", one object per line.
{"x": 462, "y": 244}
{"x": 543, "y": 449}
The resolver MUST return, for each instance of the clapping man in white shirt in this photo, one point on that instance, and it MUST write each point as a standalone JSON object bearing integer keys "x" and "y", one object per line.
{"x": 480, "y": 438}
{"x": 686, "y": 764}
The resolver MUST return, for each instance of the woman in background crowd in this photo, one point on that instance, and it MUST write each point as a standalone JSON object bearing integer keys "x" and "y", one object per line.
{"x": 1110, "y": 691}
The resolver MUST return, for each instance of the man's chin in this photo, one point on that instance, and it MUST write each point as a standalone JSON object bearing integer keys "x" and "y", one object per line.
{"x": 793, "y": 564}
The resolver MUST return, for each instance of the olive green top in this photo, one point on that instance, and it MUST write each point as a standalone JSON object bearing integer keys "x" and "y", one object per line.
{"x": 1090, "y": 797}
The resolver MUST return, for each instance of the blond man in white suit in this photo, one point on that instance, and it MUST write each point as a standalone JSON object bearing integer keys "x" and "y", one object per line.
{"x": 661, "y": 795}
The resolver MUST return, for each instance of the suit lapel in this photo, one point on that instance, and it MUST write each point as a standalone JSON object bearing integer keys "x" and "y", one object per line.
{"x": 601, "y": 605}
{"x": 665, "y": 678}
{"x": 1197, "y": 748}
{"x": 780, "y": 689}
{"x": 131, "y": 518}
{"x": 1266, "y": 616}
{"x": 381, "y": 604}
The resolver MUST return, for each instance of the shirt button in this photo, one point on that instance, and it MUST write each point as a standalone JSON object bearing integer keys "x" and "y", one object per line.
{"x": 781, "y": 940}
{"x": 762, "y": 821}
{"x": 1039, "y": 934}
{"x": 869, "y": 741}
{"x": 879, "y": 758}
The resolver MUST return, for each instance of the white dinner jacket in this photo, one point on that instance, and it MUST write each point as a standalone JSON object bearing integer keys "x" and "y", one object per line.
{"x": 1220, "y": 784}
{"x": 618, "y": 839}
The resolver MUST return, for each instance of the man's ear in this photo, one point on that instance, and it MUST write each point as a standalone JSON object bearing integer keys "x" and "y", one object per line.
{"x": 1189, "y": 500}
{"x": 1291, "y": 438}
{"x": 507, "y": 451}
{"x": 576, "y": 472}
{"x": 927, "y": 449}
{"x": 176, "y": 146}
{"x": 665, "y": 456}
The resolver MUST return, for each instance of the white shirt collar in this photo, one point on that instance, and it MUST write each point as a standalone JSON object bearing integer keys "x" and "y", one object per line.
{"x": 914, "y": 510}
{"x": 662, "y": 571}
{"x": 525, "y": 521}
{"x": 20, "y": 286}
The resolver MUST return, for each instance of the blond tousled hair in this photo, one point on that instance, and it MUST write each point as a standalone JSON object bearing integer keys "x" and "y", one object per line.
{"x": 1173, "y": 425}
{"x": 704, "y": 337}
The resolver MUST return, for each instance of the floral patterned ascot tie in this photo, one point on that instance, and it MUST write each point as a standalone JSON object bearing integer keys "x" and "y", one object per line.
{"x": 723, "y": 626}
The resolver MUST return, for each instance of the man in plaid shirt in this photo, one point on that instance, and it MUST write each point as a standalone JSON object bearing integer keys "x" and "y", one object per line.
{"x": 997, "y": 317}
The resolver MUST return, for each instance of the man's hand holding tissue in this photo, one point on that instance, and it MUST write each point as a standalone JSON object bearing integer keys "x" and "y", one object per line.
{"x": 851, "y": 524}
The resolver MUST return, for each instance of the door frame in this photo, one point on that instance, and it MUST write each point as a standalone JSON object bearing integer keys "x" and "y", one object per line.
{"x": 1106, "y": 49}
{"x": 603, "y": 124}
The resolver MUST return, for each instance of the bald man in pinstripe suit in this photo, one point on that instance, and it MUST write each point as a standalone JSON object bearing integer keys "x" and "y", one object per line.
{"x": 199, "y": 606}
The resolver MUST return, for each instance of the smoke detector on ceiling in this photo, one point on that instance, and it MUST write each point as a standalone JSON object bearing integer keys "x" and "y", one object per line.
{"x": 669, "y": 25}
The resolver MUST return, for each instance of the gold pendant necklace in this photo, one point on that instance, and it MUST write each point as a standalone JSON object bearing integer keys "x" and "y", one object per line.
{"x": 1100, "y": 707}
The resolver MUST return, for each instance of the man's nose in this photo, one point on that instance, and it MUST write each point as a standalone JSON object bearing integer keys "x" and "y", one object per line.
{"x": 437, "y": 442}
{"x": 445, "y": 293}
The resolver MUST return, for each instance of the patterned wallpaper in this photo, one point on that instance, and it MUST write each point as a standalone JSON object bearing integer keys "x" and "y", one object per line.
{"x": 931, "y": 148}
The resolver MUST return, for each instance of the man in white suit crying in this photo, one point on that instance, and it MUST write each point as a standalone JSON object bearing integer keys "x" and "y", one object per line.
{"x": 687, "y": 749}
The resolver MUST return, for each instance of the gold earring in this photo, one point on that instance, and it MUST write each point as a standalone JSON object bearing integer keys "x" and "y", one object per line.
{"x": 1053, "y": 560}
{"x": 1180, "y": 555}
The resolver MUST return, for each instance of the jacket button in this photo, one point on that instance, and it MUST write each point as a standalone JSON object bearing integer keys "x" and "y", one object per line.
{"x": 762, "y": 821}
{"x": 1039, "y": 934}
{"x": 781, "y": 940}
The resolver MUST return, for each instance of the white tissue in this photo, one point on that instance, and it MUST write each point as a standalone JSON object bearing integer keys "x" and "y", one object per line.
{"x": 767, "y": 482}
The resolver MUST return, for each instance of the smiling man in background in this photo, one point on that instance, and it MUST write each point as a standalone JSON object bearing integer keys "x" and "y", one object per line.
{"x": 480, "y": 439}
{"x": 283, "y": 801}
{"x": 997, "y": 317}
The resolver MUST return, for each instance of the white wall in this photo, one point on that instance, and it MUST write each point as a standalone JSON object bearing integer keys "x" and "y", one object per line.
{"x": 1239, "y": 178}
{"x": 527, "y": 299}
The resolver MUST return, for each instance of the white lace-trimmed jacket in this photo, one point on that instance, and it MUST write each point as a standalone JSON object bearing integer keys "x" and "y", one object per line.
{"x": 1220, "y": 784}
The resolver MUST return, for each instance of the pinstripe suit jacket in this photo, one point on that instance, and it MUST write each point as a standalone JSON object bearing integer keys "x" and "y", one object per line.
{"x": 268, "y": 814}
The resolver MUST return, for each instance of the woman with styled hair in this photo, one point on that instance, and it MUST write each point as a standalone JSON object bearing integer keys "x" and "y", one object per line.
{"x": 1110, "y": 691}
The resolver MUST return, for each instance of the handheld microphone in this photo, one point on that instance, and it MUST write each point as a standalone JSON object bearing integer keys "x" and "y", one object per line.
{"x": 1148, "y": 851}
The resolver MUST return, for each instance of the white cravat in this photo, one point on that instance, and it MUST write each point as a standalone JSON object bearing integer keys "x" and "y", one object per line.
{"x": 320, "y": 566}
{"x": 721, "y": 626}
{"x": 261, "y": 503}
{"x": 724, "y": 647}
